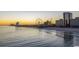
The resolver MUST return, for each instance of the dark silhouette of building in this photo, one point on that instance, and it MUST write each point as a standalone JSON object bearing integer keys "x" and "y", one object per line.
{"x": 67, "y": 17}
{"x": 60, "y": 23}
{"x": 75, "y": 22}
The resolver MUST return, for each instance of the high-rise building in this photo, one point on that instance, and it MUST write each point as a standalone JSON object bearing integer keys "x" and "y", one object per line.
{"x": 67, "y": 17}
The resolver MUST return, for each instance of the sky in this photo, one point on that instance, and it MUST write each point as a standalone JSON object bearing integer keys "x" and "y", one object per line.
{"x": 28, "y": 17}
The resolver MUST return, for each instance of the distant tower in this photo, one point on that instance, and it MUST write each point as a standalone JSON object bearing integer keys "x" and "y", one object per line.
{"x": 67, "y": 17}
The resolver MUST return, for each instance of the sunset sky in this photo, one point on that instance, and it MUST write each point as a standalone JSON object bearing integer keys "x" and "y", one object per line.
{"x": 28, "y": 17}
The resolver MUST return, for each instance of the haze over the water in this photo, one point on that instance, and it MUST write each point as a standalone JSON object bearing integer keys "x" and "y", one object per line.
{"x": 30, "y": 15}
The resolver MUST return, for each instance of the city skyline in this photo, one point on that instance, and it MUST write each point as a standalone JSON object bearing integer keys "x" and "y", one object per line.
{"x": 28, "y": 17}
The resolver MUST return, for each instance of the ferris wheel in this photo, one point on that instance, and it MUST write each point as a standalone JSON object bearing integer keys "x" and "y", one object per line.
{"x": 39, "y": 21}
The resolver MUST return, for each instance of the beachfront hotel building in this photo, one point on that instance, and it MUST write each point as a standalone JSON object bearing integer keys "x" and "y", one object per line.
{"x": 65, "y": 22}
{"x": 67, "y": 17}
{"x": 68, "y": 21}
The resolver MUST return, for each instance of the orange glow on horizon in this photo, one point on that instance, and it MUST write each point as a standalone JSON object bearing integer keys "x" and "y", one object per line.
{"x": 21, "y": 22}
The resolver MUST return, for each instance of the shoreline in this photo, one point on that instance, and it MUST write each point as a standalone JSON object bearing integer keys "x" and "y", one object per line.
{"x": 53, "y": 28}
{"x": 63, "y": 29}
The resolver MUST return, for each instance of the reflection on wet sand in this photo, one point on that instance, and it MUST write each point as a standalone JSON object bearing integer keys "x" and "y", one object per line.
{"x": 37, "y": 37}
{"x": 68, "y": 38}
